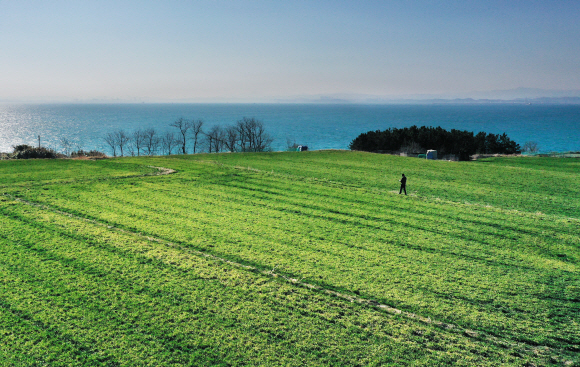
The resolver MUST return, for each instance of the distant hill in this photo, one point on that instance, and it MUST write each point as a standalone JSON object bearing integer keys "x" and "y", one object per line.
{"x": 518, "y": 95}
{"x": 541, "y": 100}
{"x": 523, "y": 93}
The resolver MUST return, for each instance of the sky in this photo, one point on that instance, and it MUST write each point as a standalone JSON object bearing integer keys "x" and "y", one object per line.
{"x": 253, "y": 50}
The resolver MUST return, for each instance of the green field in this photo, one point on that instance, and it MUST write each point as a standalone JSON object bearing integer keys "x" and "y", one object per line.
{"x": 307, "y": 258}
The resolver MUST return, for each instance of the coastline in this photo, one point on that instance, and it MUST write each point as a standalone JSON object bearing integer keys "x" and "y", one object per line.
{"x": 319, "y": 126}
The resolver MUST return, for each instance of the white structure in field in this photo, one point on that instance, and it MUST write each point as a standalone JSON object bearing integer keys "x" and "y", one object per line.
{"x": 431, "y": 154}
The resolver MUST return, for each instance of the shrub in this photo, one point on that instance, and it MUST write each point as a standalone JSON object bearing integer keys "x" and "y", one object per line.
{"x": 90, "y": 154}
{"x": 531, "y": 147}
{"x": 24, "y": 151}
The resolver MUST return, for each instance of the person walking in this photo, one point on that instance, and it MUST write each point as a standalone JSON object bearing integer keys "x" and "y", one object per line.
{"x": 403, "y": 181}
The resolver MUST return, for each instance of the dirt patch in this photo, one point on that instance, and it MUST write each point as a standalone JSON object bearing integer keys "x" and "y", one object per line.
{"x": 163, "y": 170}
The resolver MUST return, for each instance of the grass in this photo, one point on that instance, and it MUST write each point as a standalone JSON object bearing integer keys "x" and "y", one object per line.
{"x": 284, "y": 259}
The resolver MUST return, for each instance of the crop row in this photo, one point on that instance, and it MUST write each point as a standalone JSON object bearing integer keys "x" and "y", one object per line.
{"x": 548, "y": 185}
{"x": 483, "y": 268}
{"x": 76, "y": 293}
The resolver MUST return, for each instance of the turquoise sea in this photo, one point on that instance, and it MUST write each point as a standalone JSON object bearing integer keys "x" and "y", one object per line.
{"x": 556, "y": 128}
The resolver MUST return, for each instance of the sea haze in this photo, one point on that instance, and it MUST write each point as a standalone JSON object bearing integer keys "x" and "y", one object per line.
{"x": 556, "y": 128}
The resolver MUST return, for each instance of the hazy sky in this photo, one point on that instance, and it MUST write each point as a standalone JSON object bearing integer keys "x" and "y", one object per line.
{"x": 255, "y": 50}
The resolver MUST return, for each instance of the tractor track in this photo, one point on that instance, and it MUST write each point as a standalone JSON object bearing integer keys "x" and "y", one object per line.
{"x": 522, "y": 347}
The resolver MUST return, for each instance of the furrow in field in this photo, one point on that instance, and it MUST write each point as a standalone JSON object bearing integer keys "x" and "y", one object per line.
{"x": 416, "y": 207}
{"x": 106, "y": 294}
{"x": 486, "y": 217}
{"x": 395, "y": 219}
{"x": 418, "y": 294}
{"x": 135, "y": 300}
{"x": 124, "y": 205}
{"x": 322, "y": 188}
{"x": 27, "y": 336}
{"x": 512, "y": 240}
{"x": 476, "y": 182}
{"x": 395, "y": 263}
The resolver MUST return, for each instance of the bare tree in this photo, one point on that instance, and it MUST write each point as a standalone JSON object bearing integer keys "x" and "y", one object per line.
{"x": 215, "y": 138}
{"x": 231, "y": 138}
{"x": 530, "y": 147}
{"x": 138, "y": 141}
{"x": 262, "y": 140}
{"x": 78, "y": 145}
{"x": 252, "y": 136}
{"x": 122, "y": 139}
{"x": 111, "y": 141}
{"x": 243, "y": 135}
{"x": 66, "y": 145}
{"x": 152, "y": 141}
{"x": 130, "y": 148}
{"x": 195, "y": 133}
{"x": 291, "y": 144}
{"x": 183, "y": 126}
{"x": 168, "y": 143}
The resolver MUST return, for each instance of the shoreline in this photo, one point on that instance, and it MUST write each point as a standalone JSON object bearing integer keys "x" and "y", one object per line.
{"x": 318, "y": 126}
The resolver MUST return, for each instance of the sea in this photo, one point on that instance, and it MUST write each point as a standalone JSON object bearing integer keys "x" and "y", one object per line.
{"x": 555, "y": 128}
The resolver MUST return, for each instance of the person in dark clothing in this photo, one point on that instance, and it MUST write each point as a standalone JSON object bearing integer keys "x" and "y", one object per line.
{"x": 403, "y": 181}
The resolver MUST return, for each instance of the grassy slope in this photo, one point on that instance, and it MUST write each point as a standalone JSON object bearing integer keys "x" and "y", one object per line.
{"x": 550, "y": 185}
{"x": 488, "y": 246}
{"x": 43, "y": 171}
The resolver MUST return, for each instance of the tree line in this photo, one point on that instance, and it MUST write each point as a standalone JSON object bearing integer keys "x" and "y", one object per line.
{"x": 246, "y": 135}
{"x": 415, "y": 139}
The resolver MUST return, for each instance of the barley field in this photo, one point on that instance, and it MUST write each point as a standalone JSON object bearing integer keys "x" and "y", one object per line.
{"x": 291, "y": 259}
